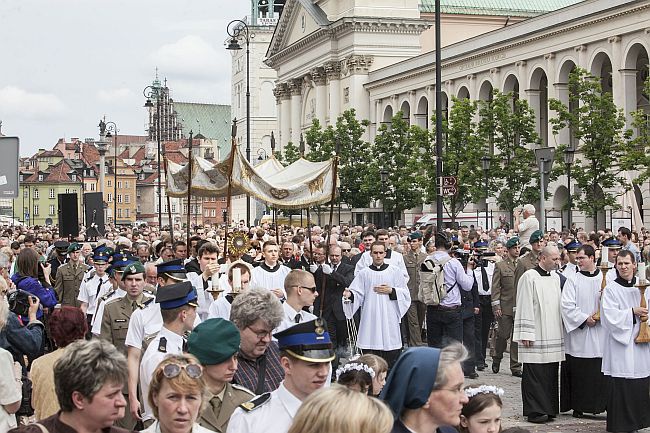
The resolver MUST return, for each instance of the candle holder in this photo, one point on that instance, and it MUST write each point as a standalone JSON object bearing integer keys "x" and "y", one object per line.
{"x": 604, "y": 268}
{"x": 644, "y": 330}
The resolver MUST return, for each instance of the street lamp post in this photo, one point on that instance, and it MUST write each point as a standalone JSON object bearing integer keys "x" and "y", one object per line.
{"x": 384, "y": 182}
{"x": 569, "y": 154}
{"x": 485, "y": 163}
{"x": 111, "y": 131}
{"x": 237, "y": 29}
{"x": 154, "y": 92}
{"x": 102, "y": 148}
{"x": 261, "y": 154}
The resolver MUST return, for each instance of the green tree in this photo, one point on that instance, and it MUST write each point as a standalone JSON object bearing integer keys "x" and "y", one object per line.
{"x": 639, "y": 152}
{"x": 604, "y": 144}
{"x": 462, "y": 156}
{"x": 354, "y": 155}
{"x": 291, "y": 154}
{"x": 400, "y": 151}
{"x": 507, "y": 126}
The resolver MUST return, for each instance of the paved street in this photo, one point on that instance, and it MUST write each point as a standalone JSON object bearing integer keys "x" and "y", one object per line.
{"x": 512, "y": 411}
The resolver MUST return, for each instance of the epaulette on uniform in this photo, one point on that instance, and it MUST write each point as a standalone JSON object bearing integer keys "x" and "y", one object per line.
{"x": 144, "y": 304}
{"x": 258, "y": 401}
{"x": 108, "y": 295}
{"x": 162, "y": 345}
{"x": 90, "y": 275}
{"x": 242, "y": 388}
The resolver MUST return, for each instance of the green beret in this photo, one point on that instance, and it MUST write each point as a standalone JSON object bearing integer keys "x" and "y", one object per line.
{"x": 132, "y": 269}
{"x": 415, "y": 235}
{"x": 536, "y": 236}
{"x": 74, "y": 247}
{"x": 512, "y": 242}
{"x": 214, "y": 341}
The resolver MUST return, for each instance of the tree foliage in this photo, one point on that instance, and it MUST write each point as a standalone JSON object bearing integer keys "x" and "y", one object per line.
{"x": 639, "y": 150}
{"x": 507, "y": 126}
{"x": 604, "y": 144}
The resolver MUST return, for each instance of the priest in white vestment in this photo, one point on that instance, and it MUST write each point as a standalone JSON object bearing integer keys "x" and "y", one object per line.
{"x": 583, "y": 387}
{"x": 538, "y": 330}
{"x": 381, "y": 292}
{"x": 627, "y": 362}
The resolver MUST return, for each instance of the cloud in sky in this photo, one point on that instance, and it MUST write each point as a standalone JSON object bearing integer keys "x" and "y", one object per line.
{"x": 21, "y": 103}
{"x": 114, "y": 95}
{"x": 191, "y": 57}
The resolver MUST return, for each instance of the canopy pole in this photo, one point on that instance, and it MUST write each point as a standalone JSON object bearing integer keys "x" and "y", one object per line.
{"x": 233, "y": 145}
{"x": 277, "y": 229}
{"x": 189, "y": 189}
{"x": 311, "y": 253}
{"x": 335, "y": 165}
{"x": 169, "y": 206}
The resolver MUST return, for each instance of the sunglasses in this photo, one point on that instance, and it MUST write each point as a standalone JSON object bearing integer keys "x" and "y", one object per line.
{"x": 171, "y": 371}
{"x": 311, "y": 289}
{"x": 346, "y": 251}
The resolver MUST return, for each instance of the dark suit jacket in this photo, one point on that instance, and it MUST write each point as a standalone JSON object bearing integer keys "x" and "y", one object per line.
{"x": 330, "y": 295}
{"x": 398, "y": 427}
{"x": 356, "y": 258}
{"x": 469, "y": 300}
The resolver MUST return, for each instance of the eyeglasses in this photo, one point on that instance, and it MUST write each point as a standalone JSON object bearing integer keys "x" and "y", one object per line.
{"x": 261, "y": 334}
{"x": 346, "y": 251}
{"x": 458, "y": 390}
{"x": 311, "y": 289}
{"x": 171, "y": 371}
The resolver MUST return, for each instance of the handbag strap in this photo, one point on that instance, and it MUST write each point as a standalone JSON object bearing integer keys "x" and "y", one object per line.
{"x": 42, "y": 427}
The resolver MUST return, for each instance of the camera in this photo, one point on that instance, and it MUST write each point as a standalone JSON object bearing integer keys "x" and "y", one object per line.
{"x": 483, "y": 258}
{"x": 19, "y": 302}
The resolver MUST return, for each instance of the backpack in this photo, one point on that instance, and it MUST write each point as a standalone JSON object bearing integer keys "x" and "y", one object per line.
{"x": 432, "y": 288}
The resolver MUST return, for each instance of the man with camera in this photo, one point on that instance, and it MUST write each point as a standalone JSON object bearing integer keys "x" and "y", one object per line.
{"x": 482, "y": 274}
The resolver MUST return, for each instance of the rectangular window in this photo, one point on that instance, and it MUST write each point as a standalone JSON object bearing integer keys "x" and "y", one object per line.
{"x": 119, "y": 198}
{"x": 35, "y": 194}
{"x": 110, "y": 198}
{"x": 52, "y": 193}
{"x": 128, "y": 212}
{"x": 51, "y": 209}
{"x": 119, "y": 212}
{"x": 184, "y": 208}
{"x": 213, "y": 212}
{"x": 173, "y": 208}
{"x": 35, "y": 210}
{"x": 92, "y": 186}
{"x": 127, "y": 198}
{"x": 138, "y": 193}
{"x": 119, "y": 184}
{"x": 40, "y": 178}
{"x": 126, "y": 184}
{"x": 138, "y": 210}
{"x": 166, "y": 208}
{"x": 207, "y": 213}
{"x": 108, "y": 182}
{"x": 73, "y": 177}
{"x": 25, "y": 193}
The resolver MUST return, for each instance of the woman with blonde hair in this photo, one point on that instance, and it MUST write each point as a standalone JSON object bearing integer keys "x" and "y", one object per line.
{"x": 177, "y": 395}
{"x": 338, "y": 409}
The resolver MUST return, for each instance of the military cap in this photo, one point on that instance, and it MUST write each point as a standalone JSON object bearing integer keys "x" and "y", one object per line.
{"x": 481, "y": 245}
{"x": 308, "y": 341}
{"x": 132, "y": 269}
{"x": 62, "y": 246}
{"x": 612, "y": 244}
{"x": 173, "y": 269}
{"x": 214, "y": 341}
{"x": 537, "y": 236}
{"x": 101, "y": 254}
{"x": 75, "y": 246}
{"x": 512, "y": 242}
{"x": 415, "y": 235}
{"x": 176, "y": 295}
{"x": 572, "y": 246}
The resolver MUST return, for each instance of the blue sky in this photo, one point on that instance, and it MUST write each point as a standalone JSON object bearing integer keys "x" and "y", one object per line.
{"x": 67, "y": 63}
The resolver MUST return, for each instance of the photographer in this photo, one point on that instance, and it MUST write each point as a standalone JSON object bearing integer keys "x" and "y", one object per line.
{"x": 483, "y": 321}
{"x": 26, "y": 278}
{"x": 21, "y": 340}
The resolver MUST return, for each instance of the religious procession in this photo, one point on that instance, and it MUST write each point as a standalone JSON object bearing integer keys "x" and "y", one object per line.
{"x": 337, "y": 329}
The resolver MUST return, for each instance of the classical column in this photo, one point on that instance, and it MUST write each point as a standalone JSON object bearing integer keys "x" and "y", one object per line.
{"x": 414, "y": 108}
{"x": 533, "y": 96}
{"x": 562, "y": 94}
{"x": 551, "y": 69}
{"x": 320, "y": 81}
{"x": 282, "y": 96}
{"x": 431, "y": 97}
{"x": 628, "y": 89}
{"x": 522, "y": 77}
{"x": 581, "y": 54}
{"x": 356, "y": 67}
{"x": 333, "y": 72}
{"x": 495, "y": 75}
{"x": 295, "y": 87}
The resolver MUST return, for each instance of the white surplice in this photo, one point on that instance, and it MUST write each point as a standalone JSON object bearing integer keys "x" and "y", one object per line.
{"x": 379, "y": 328}
{"x": 264, "y": 276}
{"x": 392, "y": 258}
{"x": 622, "y": 357}
{"x": 580, "y": 300}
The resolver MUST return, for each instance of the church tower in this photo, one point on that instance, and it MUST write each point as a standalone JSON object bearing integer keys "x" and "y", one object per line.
{"x": 266, "y": 12}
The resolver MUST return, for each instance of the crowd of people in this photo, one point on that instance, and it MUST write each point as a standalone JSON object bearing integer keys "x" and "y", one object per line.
{"x": 344, "y": 329}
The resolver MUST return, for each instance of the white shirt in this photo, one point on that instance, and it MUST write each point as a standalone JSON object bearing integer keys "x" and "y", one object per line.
{"x": 379, "y": 328}
{"x": 220, "y": 308}
{"x": 93, "y": 289}
{"x": 204, "y": 298}
{"x": 146, "y": 323}
{"x": 289, "y": 318}
{"x": 96, "y": 326}
{"x": 275, "y": 415}
{"x": 270, "y": 278}
{"x": 150, "y": 360}
{"x": 526, "y": 228}
{"x": 489, "y": 270}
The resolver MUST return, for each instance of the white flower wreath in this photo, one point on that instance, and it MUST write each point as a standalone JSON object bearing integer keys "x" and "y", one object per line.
{"x": 350, "y": 366}
{"x": 484, "y": 389}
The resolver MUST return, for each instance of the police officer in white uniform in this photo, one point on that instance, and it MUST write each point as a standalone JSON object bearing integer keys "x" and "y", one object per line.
{"x": 305, "y": 354}
{"x": 96, "y": 284}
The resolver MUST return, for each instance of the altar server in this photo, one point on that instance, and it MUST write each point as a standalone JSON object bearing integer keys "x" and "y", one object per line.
{"x": 381, "y": 291}
{"x": 583, "y": 386}
{"x": 538, "y": 330}
{"x": 627, "y": 362}
{"x": 271, "y": 274}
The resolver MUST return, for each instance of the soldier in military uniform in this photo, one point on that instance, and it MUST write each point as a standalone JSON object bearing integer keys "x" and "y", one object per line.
{"x": 116, "y": 317}
{"x": 305, "y": 354}
{"x": 69, "y": 277}
{"x": 504, "y": 296}
{"x": 531, "y": 258}
{"x": 117, "y": 312}
{"x": 178, "y": 303}
{"x": 60, "y": 255}
{"x": 413, "y": 258}
{"x": 215, "y": 344}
